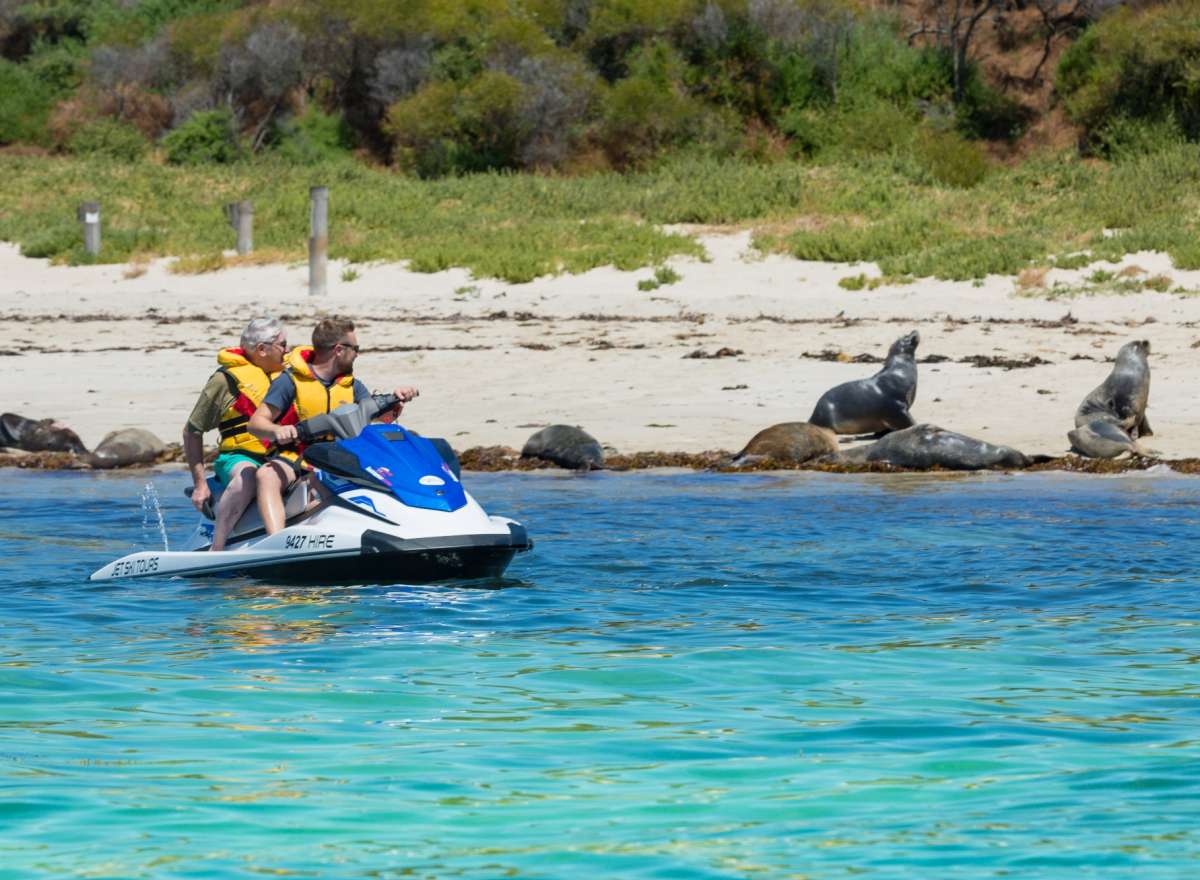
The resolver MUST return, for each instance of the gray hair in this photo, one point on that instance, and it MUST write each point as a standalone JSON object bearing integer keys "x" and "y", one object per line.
{"x": 260, "y": 331}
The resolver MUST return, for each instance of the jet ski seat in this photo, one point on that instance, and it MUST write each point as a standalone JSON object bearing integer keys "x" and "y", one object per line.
{"x": 294, "y": 504}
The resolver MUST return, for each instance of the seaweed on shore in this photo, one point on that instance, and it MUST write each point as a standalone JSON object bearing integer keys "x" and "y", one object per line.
{"x": 492, "y": 459}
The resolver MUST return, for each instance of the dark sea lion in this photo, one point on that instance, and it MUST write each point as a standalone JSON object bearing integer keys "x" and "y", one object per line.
{"x": 1122, "y": 397}
{"x": 565, "y": 446}
{"x": 878, "y": 404}
{"x": 125, "y": 447}
{"x": 795, "y": 442}
{"x": 45, "y": 435}
{"x": 1112, "y": 417}
{"x": 926, "y": 446}
{"x": 1101, "y": 438}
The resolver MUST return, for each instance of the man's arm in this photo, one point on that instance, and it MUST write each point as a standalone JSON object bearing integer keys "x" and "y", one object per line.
{"x": 262, "y": 425}
{"x": 193, "y": 452}
{"x": 206, "y": 415}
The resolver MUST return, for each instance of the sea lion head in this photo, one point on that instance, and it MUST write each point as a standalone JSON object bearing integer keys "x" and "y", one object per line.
{"x": 905, "y": 345}
{"x": 1138, "y": 350}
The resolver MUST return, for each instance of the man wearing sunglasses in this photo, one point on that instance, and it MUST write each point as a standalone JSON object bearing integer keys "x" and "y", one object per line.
{"x": 318, "y": 379}
{"x": 230, "y": 397}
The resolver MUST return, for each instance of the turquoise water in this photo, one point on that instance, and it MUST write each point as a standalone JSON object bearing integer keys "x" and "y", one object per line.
{"x": 691, "y": 676}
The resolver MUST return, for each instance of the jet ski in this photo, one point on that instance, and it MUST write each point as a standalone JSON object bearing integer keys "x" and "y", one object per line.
{"x": 388, "y": 507}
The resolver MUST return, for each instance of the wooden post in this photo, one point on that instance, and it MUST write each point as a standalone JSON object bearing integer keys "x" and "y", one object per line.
{"x": 89, "y": 216}
{"x": 241, "y": 218}
{"x": 318, "y": 242}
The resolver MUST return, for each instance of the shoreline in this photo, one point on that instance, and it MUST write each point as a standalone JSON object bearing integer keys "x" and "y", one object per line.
{"x": 743, "y": 341}
{"x": 507, "y": 460}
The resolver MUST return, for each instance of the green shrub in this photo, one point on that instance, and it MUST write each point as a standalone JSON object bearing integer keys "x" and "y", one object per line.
{"x": 1136, "y": 63}
{"x": 52, "y": 241}
{"x": 487, "y": 118}
{"x": 642, "y": 118}
{"x": 1123, "y": 139}
{"x": 880, "y": 127}
{"x": 311, "y": 138}
{"x": 422, "y": 128}
{"x": 108, "y": 138}
{"x": 961, "y": 259}
{"x": 950, "y": 159}
{"x": 59, "y": 66}
{"x": 206, "y": 137}
{"x": 877, "y": 64}
{"x": 25, "y": 103}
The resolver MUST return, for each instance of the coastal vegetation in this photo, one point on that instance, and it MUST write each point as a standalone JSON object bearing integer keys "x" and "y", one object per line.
{"x": 523, "y": 138}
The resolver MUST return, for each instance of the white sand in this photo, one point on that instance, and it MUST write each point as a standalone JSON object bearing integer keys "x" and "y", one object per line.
{"x": 91, "y": 347}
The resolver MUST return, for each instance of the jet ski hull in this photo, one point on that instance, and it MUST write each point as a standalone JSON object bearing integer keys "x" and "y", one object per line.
{"x": 306, "y": 555}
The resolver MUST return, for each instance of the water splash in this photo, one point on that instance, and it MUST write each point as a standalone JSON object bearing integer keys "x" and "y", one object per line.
{"x": 152, "y": 516}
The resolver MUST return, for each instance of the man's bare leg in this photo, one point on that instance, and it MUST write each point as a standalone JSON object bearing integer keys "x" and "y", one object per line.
{"x": 234, "y": 501}
{"x": 274, "y": 477}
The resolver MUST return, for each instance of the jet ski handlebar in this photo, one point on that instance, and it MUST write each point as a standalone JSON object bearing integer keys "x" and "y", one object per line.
{"x": 347, "y": 421}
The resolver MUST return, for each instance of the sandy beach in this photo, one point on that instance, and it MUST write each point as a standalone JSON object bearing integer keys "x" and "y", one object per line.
{"x": 114, "y": 346}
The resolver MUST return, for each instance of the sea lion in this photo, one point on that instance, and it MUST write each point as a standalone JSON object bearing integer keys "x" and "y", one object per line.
{"x": 125, "y": 447}
{"x": 1101, "y": 438}
{"x": 45, "y": 435}
{"x": 927, "y": 446}
{"x": 565, "y": 446}
{"x": 1122, "y": 397}
{"x": 878, "y": 404}
{"x": 795, "y": 442}
{"x": 1112, "y": 417}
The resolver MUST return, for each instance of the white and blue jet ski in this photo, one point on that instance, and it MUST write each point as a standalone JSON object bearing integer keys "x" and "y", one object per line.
{"x": 390, "y": 509}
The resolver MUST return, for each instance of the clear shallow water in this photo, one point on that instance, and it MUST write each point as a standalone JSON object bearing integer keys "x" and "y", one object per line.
{"x": 691, "y": 676}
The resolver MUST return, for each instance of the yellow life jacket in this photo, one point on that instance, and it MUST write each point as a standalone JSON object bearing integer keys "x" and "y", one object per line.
{"x": 313, "y": 397}
{"x": 249, "y": 385}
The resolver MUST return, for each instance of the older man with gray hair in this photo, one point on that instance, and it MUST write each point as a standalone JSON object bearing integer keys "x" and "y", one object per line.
{"x": 229, "y": 398}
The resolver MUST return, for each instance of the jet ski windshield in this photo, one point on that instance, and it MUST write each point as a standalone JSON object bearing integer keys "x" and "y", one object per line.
{"x": 390, "y": 458}
{"x": 347, "y": 421}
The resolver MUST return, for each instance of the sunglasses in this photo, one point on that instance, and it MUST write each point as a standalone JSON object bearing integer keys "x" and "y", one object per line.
{"x": 348, "y": 345}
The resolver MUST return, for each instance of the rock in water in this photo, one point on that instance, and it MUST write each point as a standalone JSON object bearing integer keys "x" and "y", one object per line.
{"x": 125, "y": 447}
{"x": 45, "y": 435}
{"x": 565, "y": 446}
{"x": 926, "y": 446}
{"x": 795, "y": 442}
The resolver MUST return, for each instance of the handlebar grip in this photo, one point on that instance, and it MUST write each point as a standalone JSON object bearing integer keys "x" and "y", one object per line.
{"x": 384, "y": 402}
{"x": 303, "y": 434}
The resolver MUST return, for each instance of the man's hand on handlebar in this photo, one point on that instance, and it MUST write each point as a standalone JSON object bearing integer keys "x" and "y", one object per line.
{"x": 200, "y": 494}
{"x": 403, "y": 396}
{"x": 285, "y": 435}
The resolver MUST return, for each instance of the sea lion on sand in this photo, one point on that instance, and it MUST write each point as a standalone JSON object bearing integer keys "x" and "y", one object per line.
{"x": 1113, "y": 415}
{"x": 878, "y": 404}
{"x": 1100, "y": 438}
{"x": 928, "y": 446}
{"x": 1122, "y": 397}
{"x": 45, "y": 435}
{"x": 125, "y": 447}
{"x": 795, "y": 442}
{"x": 565, "y": 446}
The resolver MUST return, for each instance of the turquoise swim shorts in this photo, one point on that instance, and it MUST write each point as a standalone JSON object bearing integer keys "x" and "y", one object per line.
{"x": 227, "y": 461}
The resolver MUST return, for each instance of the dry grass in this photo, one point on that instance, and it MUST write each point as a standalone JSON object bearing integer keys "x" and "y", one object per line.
{"x": 1033, "y": 278}
{"x": 198, "y": 264}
